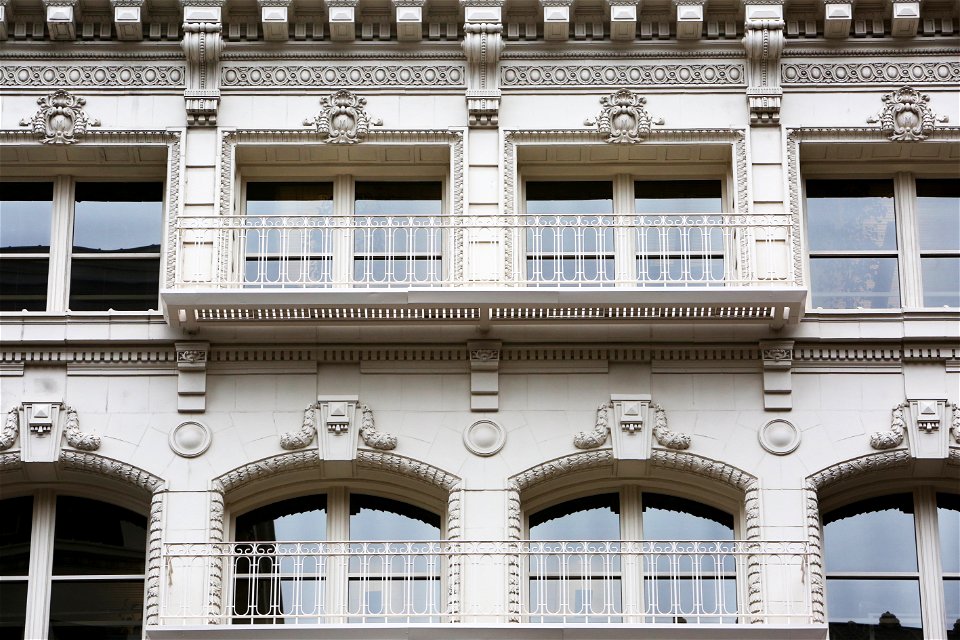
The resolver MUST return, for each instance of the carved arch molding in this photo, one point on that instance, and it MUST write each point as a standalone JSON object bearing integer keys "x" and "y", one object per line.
{"x": 148, "y": 484}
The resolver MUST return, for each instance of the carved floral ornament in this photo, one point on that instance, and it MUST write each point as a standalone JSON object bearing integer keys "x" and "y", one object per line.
{"x": 623, "y": 118}
{"x": 337, "y": 423}
{"x": 60, "y": 120}
{"x": 907, "y": 116}
{"x": 632, "y": 423}
{"x": 42, "y": 420}
{"x": 342, "y": 119}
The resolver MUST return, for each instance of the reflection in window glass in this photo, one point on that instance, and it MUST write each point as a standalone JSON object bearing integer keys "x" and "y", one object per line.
{"x": 869, "y": 589}
{"x": 375, "y": 518}
{"x": 13, "y": 608}
{"x": 670, "y": 518}
{"x": 854, "y": 283}
{"x": 26, "y": 209}
{"x": 948, "y": 523}
{"x": 303, "y": 518}
{"x": 116, "y": 246}
{"x": 15, "y": 527}
{"x": 107, "y": 609}
{"x": 590, "y": 518}
{"x": 938, "y": 222}
{"x": 289, "y": 198}
{"x": 678, "y": 196}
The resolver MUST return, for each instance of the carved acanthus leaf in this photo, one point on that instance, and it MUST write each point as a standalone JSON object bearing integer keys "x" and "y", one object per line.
{"x": 75, "y": 437}
{"x": 623, "y": 118}
{"x": 60, "y": 120}
{"x": 955, "y": 423}
{"x": 342, "y": 119}
{"x": 664, "y": 436}
{"x": 369, "y": 434}
{"x": 894, "y": 437}
{"x": 292, "y": 440}
{"x": 11, "y": 429}
{"x": 906, "y": 116}
{"x": 598, "y": 435}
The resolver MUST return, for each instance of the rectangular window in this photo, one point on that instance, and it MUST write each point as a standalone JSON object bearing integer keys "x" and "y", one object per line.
{"x": 26, "y": 211}
{"x": 938, "y": 226}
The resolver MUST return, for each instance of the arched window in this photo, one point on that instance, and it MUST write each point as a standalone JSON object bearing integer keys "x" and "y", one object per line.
{"x": 337, "y": 557}
{"x": 92, "y": 568}
{"x": 875, "y": 552}
{"x": 632, "y": 556}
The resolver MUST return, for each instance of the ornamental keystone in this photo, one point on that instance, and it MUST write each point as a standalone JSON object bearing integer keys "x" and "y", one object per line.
{"x": 623, "y": 119}
{"x": 906, "y": 116}
{"x": 60, "y": 120}
{"x": 343, "y": 119}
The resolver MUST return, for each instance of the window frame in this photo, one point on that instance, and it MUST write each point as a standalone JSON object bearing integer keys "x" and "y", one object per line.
{"x": 62, "y": 220}
{"x": 903, "y": 176}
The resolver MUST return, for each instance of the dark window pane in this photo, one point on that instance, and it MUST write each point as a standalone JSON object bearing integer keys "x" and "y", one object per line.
{"x": 874, "y": 609}
{"x": 15, "y": 536}
{"x": 859, "y": 537}
{"x": 118, "y": 217}
{"x": 13, "y": 609}
{"x": 289, "y": 198}
{"x": 678, "y": 196}
{"x": 938, "y": 214}
{"x": 951, "y": 597}
{"x": 25, "y": 212}
{"x": 119, "y": 284}
{"x": 303, "y": 518}
{"x": 848, "y": 215}
{"x": 571, "y": 197}
{"x": 590, "y": 518}
{"x": 102, "y": 609}
{"x": 671, "y": 518}
{"x": 852, "y": 283}
{"x": 23, "y": 284}
{"x": 398, "y": 198}
{"x": 94, "y": 537}
{"x": 941, "y": 282}
{"x": 374, "y": 518}
{"x": 948, "y": 521}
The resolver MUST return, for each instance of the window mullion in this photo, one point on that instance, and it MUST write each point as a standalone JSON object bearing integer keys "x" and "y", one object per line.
{"x": 631, "y": 529}
{"x": 625, "y": 237}
{"x": 905, "y": 202}
{"x": 41, "y": 564}
{"x": 61, "y": 243}
{"x": 342, "y": 235}
{"x": 928, "y": 561}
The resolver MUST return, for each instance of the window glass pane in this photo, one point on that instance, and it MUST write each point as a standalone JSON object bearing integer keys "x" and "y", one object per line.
{"x": 852, "y": 283}
{"x": 941, "y": 282}
{"x": 289, "y": 198}
{"x": 303, "y": 518}
{"x": 938, "y": 214}
{"x": 671, "y": 518}
{"x": 572, "y": 197}
{"x": 374, "y": 518}
{"x": 398, "y": 198}
{"x": 25, "y": 212}
{"x": 123, "y": 217}
{"x": 874, "y": 609}
{"x": 850, "y": 215}
{"x": 92, "y": 537}
{"x": 951, "y": 596}
{"x": 13, "y": 609}
{"x": 15, "y": 536}
{"x": 23, "y": 284}
{"x": 678, "y": 196}
{"x": 102, "y": 609}
{"x": 590, "y": 518}
{"x": 859, "y": 537}
{"x": 131, "y": 284}
{"x": 948, "y": 520}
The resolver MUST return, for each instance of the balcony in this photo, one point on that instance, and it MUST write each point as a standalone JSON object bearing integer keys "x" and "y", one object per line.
{"x": 735, "y": 589}
{"x": 485, "y": 270}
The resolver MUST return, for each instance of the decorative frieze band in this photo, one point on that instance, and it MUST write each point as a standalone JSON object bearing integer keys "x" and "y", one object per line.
{"x": 870, "y": 72}
{"x": 93, "y": 75}
{"x": 620, "y": 75}
{"x": 382, "y": 75}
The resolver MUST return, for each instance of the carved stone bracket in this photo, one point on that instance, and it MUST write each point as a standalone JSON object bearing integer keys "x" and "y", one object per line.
{"x": 623, "y": 118}
{"x": 11, "y": 429}
{"x": 369, "y": 434}
{"x": 484, "y": 374}
{"x": 192, "y": 360}
{"x": 664, "y": 436}
{"x": 60, "y": 120}
{"x": 342, "y": 119}
{"x": 482, "y": 46}
{"x": 598, "y": 435}
{"x": 763, "y": 41}
{"x": 292, "y": 440}
{"x": 777, "y": 377}
{"x": 202, "y": 45}
{"x": 882, "y": 440}
{"x": 906, "y": 116}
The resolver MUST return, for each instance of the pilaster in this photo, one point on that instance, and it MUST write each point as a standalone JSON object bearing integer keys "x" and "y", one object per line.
{"x": 202, "y": 45}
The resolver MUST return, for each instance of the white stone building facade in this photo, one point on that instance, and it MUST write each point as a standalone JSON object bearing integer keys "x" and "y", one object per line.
{"x": 499, "y": 319}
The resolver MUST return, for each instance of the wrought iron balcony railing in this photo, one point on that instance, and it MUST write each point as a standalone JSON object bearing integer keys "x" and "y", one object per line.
{"x": 534, "y": 582}
{"x": 586, "y": 251}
